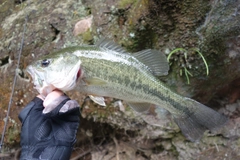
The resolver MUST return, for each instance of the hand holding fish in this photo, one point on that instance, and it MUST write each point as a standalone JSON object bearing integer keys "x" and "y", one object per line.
{"x": 41, "y": 136}
{"x": 107, "y": 70}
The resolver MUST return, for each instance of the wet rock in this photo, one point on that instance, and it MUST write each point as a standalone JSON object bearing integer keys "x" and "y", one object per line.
{"x": 82, "y": 26}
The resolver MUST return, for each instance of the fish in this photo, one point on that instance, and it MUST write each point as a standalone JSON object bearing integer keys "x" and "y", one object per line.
{"x": 107, "y": 70}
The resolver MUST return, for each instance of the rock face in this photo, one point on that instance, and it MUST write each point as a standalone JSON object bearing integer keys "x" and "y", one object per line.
{"x": 117, "y": 132}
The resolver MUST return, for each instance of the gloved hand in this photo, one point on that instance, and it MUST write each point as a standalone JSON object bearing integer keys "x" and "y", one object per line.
{"x": 49, "y": 127}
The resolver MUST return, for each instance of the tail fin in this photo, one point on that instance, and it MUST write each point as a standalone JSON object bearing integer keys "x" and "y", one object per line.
{"x": 198, "y": 120}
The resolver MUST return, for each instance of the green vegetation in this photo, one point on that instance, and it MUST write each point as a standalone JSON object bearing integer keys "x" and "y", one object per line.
{"x": 185, "y": 52}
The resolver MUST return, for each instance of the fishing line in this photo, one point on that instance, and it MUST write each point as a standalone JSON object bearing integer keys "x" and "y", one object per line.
{"x": 14, "y": 84}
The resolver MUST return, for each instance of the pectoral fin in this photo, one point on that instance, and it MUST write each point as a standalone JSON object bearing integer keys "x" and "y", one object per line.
{"x": 98, "y": 100}
{"x": 94, "y": 81}
{"x": 139, "y": 107}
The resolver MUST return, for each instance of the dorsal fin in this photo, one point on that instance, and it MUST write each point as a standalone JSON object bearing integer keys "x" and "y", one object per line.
{"x": 155, "y": 60}
{"x": 105, "y": 43}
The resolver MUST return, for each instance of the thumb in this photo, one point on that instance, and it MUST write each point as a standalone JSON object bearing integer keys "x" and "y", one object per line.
{"x": 51, "y": 97}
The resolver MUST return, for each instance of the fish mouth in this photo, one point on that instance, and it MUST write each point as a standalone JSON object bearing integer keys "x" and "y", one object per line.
{"x": 30, "y": 71}
{"x": 33, "y": 76}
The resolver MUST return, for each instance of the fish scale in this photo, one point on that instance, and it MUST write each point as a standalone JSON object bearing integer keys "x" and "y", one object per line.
{"x": 124, "y": 86}
{"x": 100, "y": 68}
{"x": 109, "y": 71}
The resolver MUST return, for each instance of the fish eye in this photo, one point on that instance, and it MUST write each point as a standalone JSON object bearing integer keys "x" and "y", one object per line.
{"x": 45, "y": 63}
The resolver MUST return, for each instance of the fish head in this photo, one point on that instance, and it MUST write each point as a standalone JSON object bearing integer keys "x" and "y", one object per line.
{"x": 55, "y": 71}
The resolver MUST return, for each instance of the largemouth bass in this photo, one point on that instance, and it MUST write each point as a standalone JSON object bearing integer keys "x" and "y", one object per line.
{"x": 107, "y": 70}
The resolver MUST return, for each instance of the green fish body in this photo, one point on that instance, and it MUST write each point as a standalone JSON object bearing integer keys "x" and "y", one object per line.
{"x": 106, "y": 70}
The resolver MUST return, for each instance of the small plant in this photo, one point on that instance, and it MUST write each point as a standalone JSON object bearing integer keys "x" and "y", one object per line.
{"x": 187, "y": 65}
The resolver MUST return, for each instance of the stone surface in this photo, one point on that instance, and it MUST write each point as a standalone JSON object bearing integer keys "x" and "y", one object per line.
{"x": 115, "y": 131}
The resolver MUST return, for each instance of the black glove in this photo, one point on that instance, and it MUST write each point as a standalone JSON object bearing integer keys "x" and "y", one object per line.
{"x": 49, "y": 133}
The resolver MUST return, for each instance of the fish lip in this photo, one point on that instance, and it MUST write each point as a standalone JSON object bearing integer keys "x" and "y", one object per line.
{"x": 30, "y": 71}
